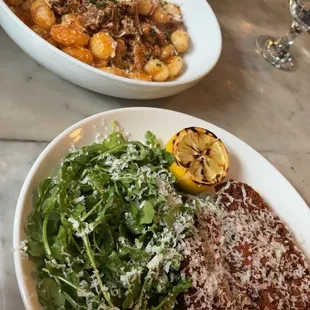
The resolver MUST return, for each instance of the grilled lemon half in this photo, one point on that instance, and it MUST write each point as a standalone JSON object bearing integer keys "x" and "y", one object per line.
{"x": 201, "y": 159}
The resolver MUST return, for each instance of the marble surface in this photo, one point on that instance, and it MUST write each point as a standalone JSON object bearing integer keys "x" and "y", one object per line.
{"x": 267, "y": 108}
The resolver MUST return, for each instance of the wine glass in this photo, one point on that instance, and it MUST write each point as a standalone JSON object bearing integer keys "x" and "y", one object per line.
{"x": 276, "y": 52}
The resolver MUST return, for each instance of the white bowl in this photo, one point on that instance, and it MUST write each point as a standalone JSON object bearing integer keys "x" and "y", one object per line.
{"x": 246, "y": 165}
{"x": 205, "y": 50}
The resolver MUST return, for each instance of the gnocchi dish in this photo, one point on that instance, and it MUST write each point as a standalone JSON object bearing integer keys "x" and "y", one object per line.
{"x": 138, "y": 39}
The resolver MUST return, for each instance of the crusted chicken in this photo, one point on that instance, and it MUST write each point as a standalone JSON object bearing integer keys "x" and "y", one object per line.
{"x": 243, "y": 257}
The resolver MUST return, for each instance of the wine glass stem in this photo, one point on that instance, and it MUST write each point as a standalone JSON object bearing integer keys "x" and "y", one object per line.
{"x": 285, "y": 42}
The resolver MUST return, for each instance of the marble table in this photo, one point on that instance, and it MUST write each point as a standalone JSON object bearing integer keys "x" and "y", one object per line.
{"x": 267, "y": 108}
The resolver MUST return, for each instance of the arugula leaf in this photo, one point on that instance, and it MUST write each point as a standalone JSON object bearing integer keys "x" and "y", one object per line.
{"x": 34, "y": 226}
{"x": 168, "y": 157}
{"x": 147, "y": 213}
{"x": 114, "y": 139}
{"x": 182, "y": 286}
{"x": 103, "y": 240}
{"x": 60, "y": 243}
{"x": 150, "y": 138}
{"x": 45, "y": 191}
{"x": 169, "y": 301}
{"x": 133, "y": 293}
{"x": 50, "y": 295}
{"x": 114, "y": 263}
{"x": 35, "y": 248}
{"x": 138, "y": 255}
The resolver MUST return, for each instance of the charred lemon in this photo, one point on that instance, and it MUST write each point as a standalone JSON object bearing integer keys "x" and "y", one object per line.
{"x": 201, "y": 159}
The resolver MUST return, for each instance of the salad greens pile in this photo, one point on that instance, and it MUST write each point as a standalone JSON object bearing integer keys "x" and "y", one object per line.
{"x": 107, "y": 232}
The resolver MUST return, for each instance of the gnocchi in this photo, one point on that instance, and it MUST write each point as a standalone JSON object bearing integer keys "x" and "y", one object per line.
{"x": 160, "y": 16}
{"x": 43, "y": 33}
{"x": 175, "y": 66}
{"x": 42, "y": 15}
{"x": 157, "y": 69}
{"x": 144, "y": 7}
{"x": 66, "y": 36}
{"x": 180, "y": 40}
{"x": 173, "y": 10}
{"x": 102, "y": 45}
{"x": 81, "y": 53}
{"x": 166, "y": 51}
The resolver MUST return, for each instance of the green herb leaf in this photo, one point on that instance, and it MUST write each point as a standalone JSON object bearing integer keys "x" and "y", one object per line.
{"x": 50, "y": 295}
{"x": 150, "y": 138}
{"x": 133, "y": 292}
{"x": 147, "y": 213}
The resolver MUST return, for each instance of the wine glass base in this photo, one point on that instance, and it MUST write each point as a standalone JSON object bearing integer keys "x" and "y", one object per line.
{"x": 267, "y": 47}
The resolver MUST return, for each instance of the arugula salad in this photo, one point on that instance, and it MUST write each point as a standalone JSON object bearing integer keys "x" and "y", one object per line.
{"x": 108, "y": 231}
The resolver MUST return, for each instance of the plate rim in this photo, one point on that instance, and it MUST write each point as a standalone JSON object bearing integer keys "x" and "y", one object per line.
{"x": 27, "y": 181}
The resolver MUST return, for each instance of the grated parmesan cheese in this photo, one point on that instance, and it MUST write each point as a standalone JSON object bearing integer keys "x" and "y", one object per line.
{"x": 24, "y": 248}
{"x": 79, "y": 199}
{"x": 88, "y": 228}
{"x": 75, "y": 223}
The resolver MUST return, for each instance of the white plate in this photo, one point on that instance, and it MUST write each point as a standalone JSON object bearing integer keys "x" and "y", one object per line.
{"x": 246, "y": 165}
{"x": 206, "y": 44}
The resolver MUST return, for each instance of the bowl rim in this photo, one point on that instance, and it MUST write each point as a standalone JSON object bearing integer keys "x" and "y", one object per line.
{"x": 94, "y": 70}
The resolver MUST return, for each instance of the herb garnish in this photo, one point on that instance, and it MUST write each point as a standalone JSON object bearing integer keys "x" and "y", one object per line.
{"x": 148, "y": 55}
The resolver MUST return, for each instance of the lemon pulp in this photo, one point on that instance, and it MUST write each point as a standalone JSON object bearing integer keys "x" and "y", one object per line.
{"x": 201, "y": 159}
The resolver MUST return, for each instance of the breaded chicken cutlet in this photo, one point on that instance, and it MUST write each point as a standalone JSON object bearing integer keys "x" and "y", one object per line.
{"x": 243, "y": 257}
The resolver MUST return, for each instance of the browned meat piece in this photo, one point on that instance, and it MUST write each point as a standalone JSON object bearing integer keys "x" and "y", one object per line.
{"x": 119, "y": 61}
{"x": 121, "y": 18}
{"x": 139, "y": 56}
{"x": 170, "y": 27}
{"x": 152, "y": 34}
{"x": 95, "y": 14}
{"x": 95, "y": 17}
{"x": 66, "y": 6}
{"x": 129, "y": 18}
{"x": 58, "y": 6}
{"x": 128, "y": 8}
{"x": 146, "y": 30}
{"x": 254, "y": 252}
{"x": 154, "y": 50}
